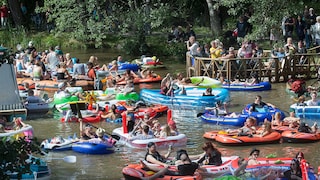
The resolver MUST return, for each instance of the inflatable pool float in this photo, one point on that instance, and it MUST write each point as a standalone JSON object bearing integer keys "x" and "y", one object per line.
{"x": 57, "y": 144}
{"x": 202, "y": 82}
{"x": 26, "y": 131}
{"x": 306, "y": 112}
{"x": 262, "y": 86}
{"x": 276, "y": 165}
{"x": 128, "y": 140}
{"x": 263, "y": 113}
{"x": 135, "y": 171}
{"x": 129, "y": 96}
{"x": 193, "y": 99}
{"x": 93, "y": 148}
{"x": 149, "y": 62}
{"x": 37, "y": 108}
{"x": 87, "y": 117}
{"x": 61, "y": 100}
{"x": 140, "y": 80}
{"x": 38, "y": 167}
{"x": 299, "y": 137}
{"x": 125, "y": 66}
{"x": 211, "y": 117}
{"x": 233, "y": 140}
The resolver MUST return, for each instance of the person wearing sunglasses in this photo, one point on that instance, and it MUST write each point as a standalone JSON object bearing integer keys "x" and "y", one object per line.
{"x": 294, "y": 173}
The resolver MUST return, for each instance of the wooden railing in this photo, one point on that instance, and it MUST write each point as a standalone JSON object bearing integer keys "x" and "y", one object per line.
{"x": 265, "y": 67}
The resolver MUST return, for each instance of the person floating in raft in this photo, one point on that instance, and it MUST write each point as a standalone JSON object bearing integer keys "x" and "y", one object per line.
{"x": 258, "y": 103}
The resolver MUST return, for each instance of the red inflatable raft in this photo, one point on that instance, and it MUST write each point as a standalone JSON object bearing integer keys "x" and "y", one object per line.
{"x": 299, "y": 137}
{"x": 274, "y": 137}
{"x": 140, "y": 80}
{"x": 135, "y": 171}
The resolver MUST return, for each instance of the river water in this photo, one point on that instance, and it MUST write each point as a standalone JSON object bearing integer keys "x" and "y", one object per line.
{"x": 110, "y": 166}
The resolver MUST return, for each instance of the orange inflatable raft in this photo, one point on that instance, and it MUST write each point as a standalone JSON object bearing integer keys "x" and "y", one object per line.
{"x": 299, "y": 137}
{"x": 88, "y": 119}
{"x": 273, "y": 137}
{"x": 135, "y": 171}
{"x": 50, "y": 85}
{"x": 140, "y": 80}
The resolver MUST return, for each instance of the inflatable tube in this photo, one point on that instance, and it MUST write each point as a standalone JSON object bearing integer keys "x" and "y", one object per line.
{"x": 299, "y": 137}
{"x": 263, "y": 113}
{"x": 205, "y": 82}
{"x": 37, "y": 108}
{"x": 274, "y": 137}
{"x": 262, "y": 86}
{"x": 306, "y": 112}
{"x": 276, "y": 165}
{"x": 92, "y": 148}
{"x": 130, "y": 96}
{"x": 60, "y": 98}
{"x": 135, "y": 171}
{"x": 89, "y": 119}
{"x": 57, "y": 144}
{"x": 140, "y": 80}
{"x": 125, "y": 66}
{"x": 211, "y": 117}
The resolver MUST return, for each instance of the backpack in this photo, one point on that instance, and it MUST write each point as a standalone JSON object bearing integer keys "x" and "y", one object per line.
{"x": 298, "y": 86}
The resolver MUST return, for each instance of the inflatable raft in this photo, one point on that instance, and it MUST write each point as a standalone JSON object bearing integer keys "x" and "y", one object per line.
{"x": 306, "y": 112}
{"x": 262, "y": 86}
{"x": 26, "y": 131}
{"x": 193, "y": 99}
{"x": 211, "y": 117}
{"x": 228, "y": 140}
{"x": 135, "y": 171}
{"x": 202, "y": 82}
{"x": 129, "y": 140}
{"x": 93, "y": 148}
{"x": 263, "y": 113}
{"x": 87, "y": 117}
{"x": 276, "y": 165}
{"x": 57, "y": 144}
{"x": 299, "y": 137}
{"x": 140, "y": 80}
{"x": 37, "y": 108}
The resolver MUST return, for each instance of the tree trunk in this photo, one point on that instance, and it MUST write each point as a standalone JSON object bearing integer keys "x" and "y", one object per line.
{"x": 215, "y": 21}
{"x": 15, "y": 10}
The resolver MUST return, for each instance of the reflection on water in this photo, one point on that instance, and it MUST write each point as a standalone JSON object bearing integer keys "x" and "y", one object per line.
{"x": 110, "y": 166}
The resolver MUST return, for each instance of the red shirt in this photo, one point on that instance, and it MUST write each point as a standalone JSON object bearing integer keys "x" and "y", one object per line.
{"x": 91, "y": 74}
{"x": 4, "y": 11}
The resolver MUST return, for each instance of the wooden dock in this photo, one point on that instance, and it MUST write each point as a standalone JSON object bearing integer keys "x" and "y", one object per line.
{"x": 264, "y": 67}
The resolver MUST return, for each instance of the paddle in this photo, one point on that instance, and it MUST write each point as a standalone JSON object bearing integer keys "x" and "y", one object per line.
{"x": 116, "y": 137}
{"x": 68, "y": 159}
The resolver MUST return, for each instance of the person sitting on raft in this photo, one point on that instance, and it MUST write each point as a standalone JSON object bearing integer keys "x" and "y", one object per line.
{"x": 153, "y": 156}
{"x": 87, "y": 133}
{"x": 112, "y": 114}
{"x": 292, "y": 120}
{"x": 247, "y": 130}
{"x": 210, "y": 156}
{"x": 100, "y": 139}
{"x": 266, "y": 129}
{"x": 303, "y": 127}
{"x": 254, "y": 154}
{"x": 258, "y": 103}
{"x": 208, "y": 92}
{"x": 276, "y": 120}
{"x": 185, "y": 167}
{"x": 32, "y": 98}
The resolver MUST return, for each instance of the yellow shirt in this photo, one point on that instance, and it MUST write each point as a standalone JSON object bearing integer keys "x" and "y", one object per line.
{"x": 215, "y": 52}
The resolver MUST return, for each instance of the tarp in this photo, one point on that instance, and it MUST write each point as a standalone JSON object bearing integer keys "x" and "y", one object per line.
{"x": 9, "y": 94}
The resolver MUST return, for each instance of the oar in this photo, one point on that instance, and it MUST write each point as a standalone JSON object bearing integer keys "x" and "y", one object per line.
{"x": 116, "y": 137}
{"x": 68, "y": 159}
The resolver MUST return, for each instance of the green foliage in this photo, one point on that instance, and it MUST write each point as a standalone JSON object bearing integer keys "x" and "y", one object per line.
{"x": 14, "y": 154}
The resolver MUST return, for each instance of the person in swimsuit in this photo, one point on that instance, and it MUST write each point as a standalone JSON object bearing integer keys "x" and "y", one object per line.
{"x": 254, "y": 154}
{"x": 258, "y": 103}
